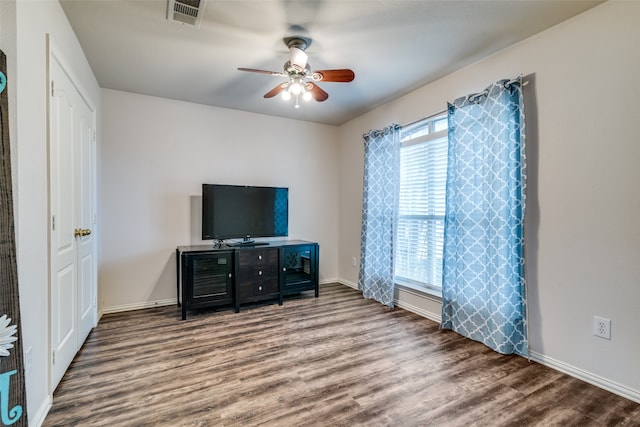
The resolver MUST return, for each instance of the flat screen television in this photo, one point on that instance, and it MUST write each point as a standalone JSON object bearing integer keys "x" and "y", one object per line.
{"x": 244, "y": 212}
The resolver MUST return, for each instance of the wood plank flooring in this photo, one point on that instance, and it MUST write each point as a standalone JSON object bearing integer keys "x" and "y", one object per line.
{"x": 336, "y": 360}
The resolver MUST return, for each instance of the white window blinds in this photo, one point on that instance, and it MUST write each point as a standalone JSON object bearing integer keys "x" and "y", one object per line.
{"x": 420, "y": 226}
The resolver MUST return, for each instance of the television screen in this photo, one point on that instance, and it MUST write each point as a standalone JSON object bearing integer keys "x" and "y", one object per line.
{"x": 235, "y": 211}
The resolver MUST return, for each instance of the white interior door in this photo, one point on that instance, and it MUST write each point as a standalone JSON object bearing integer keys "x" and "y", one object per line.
{"x": 72, "y": 209}
{"x": 86, "y": 221}
{"x": 64, "y": 334}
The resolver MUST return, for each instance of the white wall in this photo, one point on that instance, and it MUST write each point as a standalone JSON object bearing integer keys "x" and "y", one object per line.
{"x": 583, "y": 232}
{"x": 156, "y": 153}
{"x": 32, "y": 20}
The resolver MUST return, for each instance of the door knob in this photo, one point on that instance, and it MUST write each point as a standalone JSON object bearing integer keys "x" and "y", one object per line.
{"x": 79, "y": 232}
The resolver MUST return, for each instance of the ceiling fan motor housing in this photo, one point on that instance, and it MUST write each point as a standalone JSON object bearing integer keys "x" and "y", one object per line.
{"x": 299, "y": 42}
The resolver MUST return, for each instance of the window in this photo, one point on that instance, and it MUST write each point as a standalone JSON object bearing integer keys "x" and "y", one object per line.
{"x": 420, "y": 225}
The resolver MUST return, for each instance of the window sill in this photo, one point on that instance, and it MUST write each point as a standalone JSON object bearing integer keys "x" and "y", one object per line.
{"x": 422, "y": 290}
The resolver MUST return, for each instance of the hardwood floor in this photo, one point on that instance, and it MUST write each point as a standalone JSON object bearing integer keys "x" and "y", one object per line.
{"x": 336, "y": 360}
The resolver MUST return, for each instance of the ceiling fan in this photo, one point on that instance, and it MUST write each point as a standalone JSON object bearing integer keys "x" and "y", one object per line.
{"x": 301, "y": 80}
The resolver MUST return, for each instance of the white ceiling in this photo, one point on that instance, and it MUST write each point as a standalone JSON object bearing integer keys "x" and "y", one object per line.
{"x": 393, "y": 46}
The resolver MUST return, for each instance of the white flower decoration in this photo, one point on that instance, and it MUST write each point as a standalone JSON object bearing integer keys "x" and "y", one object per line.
{"x": 6, "y": 335}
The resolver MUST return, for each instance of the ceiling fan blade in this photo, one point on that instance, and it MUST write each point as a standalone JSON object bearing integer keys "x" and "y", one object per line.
{"x": 342, "y": 75}
{"x": 253, "y": 70}
{"x": 317, "y": 93}
{"x": 276, "y": 90}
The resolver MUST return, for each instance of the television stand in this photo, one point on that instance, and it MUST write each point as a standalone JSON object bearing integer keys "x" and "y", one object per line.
{"x": 232, "y": 276}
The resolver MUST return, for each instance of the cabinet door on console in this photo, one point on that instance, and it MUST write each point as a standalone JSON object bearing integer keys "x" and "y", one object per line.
{"x": 298, "y": 269}
{"x": 210, "y": 278}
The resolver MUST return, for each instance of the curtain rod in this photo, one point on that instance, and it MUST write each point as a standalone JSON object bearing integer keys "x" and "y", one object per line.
{"x": 524, "y": 83}
{"x": 424, "y": 118}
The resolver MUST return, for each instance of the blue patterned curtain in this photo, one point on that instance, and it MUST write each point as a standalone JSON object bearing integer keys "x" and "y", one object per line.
{"x": 379, "y": 207}
{"x": 483, "y": 289}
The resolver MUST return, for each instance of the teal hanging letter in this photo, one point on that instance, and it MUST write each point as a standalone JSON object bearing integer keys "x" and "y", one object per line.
{"x": 8, "y": 416}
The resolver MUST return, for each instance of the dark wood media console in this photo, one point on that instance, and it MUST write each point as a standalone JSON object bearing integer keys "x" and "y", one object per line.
{"x": 209, "y": 276}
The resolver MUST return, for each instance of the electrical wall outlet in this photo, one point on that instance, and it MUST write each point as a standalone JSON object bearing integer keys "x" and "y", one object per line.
{"x": 602, "y": 327}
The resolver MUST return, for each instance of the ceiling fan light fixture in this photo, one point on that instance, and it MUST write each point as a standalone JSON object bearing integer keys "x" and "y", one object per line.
{"x": 306, "y": 96}
{"x": 295, "y": 88}
{"x": 286, "y": 95}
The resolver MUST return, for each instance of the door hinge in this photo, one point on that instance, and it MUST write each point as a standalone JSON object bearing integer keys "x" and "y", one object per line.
{"x": 53, "y": 223}
{"x": 51, "y": 87}
{"x": 53, "y": 357}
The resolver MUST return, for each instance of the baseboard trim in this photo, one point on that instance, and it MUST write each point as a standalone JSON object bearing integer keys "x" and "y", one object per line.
{"x": 409, "y": 307}
{"x": 585, "y": 376}
{"x": 38, "y": 418}
{"x": 138, "y": 306}
{"x": 348, "y": 283}
{"x": 417, "y": 310}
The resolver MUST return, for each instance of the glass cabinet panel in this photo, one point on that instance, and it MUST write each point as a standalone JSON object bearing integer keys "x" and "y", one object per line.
{"x": 298, "y": 268}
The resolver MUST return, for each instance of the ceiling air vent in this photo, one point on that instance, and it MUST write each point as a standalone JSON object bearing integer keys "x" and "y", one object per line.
{"x": 186, "y": 11}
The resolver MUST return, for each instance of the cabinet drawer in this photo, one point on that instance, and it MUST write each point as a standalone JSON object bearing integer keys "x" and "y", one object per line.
{"x": 250, "y": 290}
{"x": 257, "y": 257}
{"x": 257, "y": 272}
